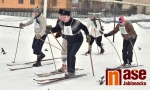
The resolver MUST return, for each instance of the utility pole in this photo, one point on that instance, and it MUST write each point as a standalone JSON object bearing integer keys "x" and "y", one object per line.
{"x": 114, "y": 20}
{"x": 45, "y": 8}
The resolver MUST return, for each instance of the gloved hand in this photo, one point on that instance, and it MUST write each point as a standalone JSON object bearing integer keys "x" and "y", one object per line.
{"x": 130, "y": 39}
{"x": 21, "y": 25}
{"x": 88, "y": 38}
{"x": 38, "y": 36}
{"x": 95, "y": 30}
{"x": 106, "y": 35}
{"x": 58, "y": 34}
{"x": 48, "y": 28}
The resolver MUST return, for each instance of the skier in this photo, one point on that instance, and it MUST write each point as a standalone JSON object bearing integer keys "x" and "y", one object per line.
{"x": 129, "y": 35}
{"x": 39, "y": 21}
{"x": 96, "y": 32}
{"x": 71, "y": 28}
{"x": 64, "y": 45}
{"x": 3, "y": 51}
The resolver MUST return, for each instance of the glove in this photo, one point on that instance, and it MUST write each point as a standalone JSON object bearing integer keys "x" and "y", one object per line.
{"x": 48, "y": 28}
{"x": 21, "y": 25}
{"x": 106, "y": 35}
{"x": 88, "y": 38}
{"x": 58, "y": 34}
{"x": 130, "y": 39}
{"x": 38, "y": 36}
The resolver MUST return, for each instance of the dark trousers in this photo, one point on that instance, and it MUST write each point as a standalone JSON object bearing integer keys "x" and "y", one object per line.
{"x": 98, "y": 41}
{"x": 72, "y": 49}
{"x": 37, "y": 45}
{"x": 127, "y": 50}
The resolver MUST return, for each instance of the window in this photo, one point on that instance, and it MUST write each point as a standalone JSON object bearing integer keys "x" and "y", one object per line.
{"x": 2, "y": 1}
{"x": 54, "y": 2}
{"x": 32, "y": 1}
{"x": 20, "y": 1}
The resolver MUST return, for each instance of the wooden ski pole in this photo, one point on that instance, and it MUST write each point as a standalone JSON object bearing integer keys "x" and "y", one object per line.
{"x": 96, "y": 43}
{"x": 9, "y": 26}
{"x": 50, "y": 44}
{"x": 91, "y": 59}
{"x": 115, "y": 49}
{"x": 134, "y": 52}
{"x": 58, "y": 41}
{"x": 51, "y": 52}
{"x": 17, "y": 46}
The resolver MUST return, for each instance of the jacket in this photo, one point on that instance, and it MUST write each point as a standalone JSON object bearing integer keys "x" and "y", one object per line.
{"x": 39, "y": 24}
{"x": 129, "y": 29}
{"x": 97, "y": 27}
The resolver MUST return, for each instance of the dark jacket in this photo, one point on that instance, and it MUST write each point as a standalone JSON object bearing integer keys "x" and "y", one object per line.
{"x": 59, "y": 33}
{"x": 76, "y": 27}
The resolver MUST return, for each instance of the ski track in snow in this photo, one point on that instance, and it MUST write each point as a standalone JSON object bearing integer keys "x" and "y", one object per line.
{"x": 23, "y": 79}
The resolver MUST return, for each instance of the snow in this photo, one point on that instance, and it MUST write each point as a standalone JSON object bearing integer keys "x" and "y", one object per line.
{"x": 132, "y": 17}
{"x": 23, "y": 79}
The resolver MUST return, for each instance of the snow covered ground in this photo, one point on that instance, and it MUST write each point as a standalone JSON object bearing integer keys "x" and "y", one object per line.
{"x": 132, "y": 17}
{"x": 23, "y": 79}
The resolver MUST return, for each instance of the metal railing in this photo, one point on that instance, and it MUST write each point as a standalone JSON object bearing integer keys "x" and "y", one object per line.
{"x": 76, "y": 12}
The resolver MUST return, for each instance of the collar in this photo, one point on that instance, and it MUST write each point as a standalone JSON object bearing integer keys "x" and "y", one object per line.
{"x": 37, "y": 16}
{"x": 69, "y": 22}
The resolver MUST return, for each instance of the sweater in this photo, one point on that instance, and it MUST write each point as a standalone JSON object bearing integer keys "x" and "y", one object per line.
{"x": 39, "y": 24}
{"x": 76, "y": 27}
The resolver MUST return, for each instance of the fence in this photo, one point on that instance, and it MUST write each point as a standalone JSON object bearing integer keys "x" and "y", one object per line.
{"x": 76, "y": 13}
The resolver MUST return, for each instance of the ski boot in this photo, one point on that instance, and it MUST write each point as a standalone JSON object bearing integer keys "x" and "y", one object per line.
{"x": 128, "y": 65}
{"x": 88, "y": 52}
{"x": 69, "y": 75}
{"x": 38, "y": 62}
{"x": 102, "y": 51}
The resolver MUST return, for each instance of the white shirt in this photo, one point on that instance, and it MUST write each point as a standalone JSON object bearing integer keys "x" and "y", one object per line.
{"x": 98, "y": 28}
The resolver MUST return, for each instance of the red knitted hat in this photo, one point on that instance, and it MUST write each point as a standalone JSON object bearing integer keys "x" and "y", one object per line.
{"x": 122, "y": 19}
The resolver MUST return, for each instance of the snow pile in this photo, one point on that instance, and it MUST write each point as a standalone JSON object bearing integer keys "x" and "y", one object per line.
{"x": 4, "y": 18}
{"x": 132, "y": 17}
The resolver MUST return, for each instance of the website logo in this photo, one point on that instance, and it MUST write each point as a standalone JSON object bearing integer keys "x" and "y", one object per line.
{"x": 125, "y": 77}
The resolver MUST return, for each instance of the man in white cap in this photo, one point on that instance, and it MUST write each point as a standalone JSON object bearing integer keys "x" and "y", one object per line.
{"x": 40, "y": 23}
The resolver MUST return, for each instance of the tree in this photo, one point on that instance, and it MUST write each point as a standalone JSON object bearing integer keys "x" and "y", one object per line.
{"x": 119, "y": 5}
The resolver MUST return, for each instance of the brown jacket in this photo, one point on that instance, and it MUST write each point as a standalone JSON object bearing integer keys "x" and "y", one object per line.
{"x": 129, "y": 29}
{"x": 58, "y": 34}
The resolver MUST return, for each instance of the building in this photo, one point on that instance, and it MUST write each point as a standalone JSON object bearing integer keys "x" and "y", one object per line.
{"x": 140, "y": 9}
{"x": 19, "y": 3}
{"x": 34, "y": 3}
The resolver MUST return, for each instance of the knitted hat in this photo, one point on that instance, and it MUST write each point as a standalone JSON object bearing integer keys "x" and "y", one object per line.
{"x": 91, "y": 15}
{"x": 121, "y": 19}
{"x": 66, "y": 13}
{"x": 37, "y": 10}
